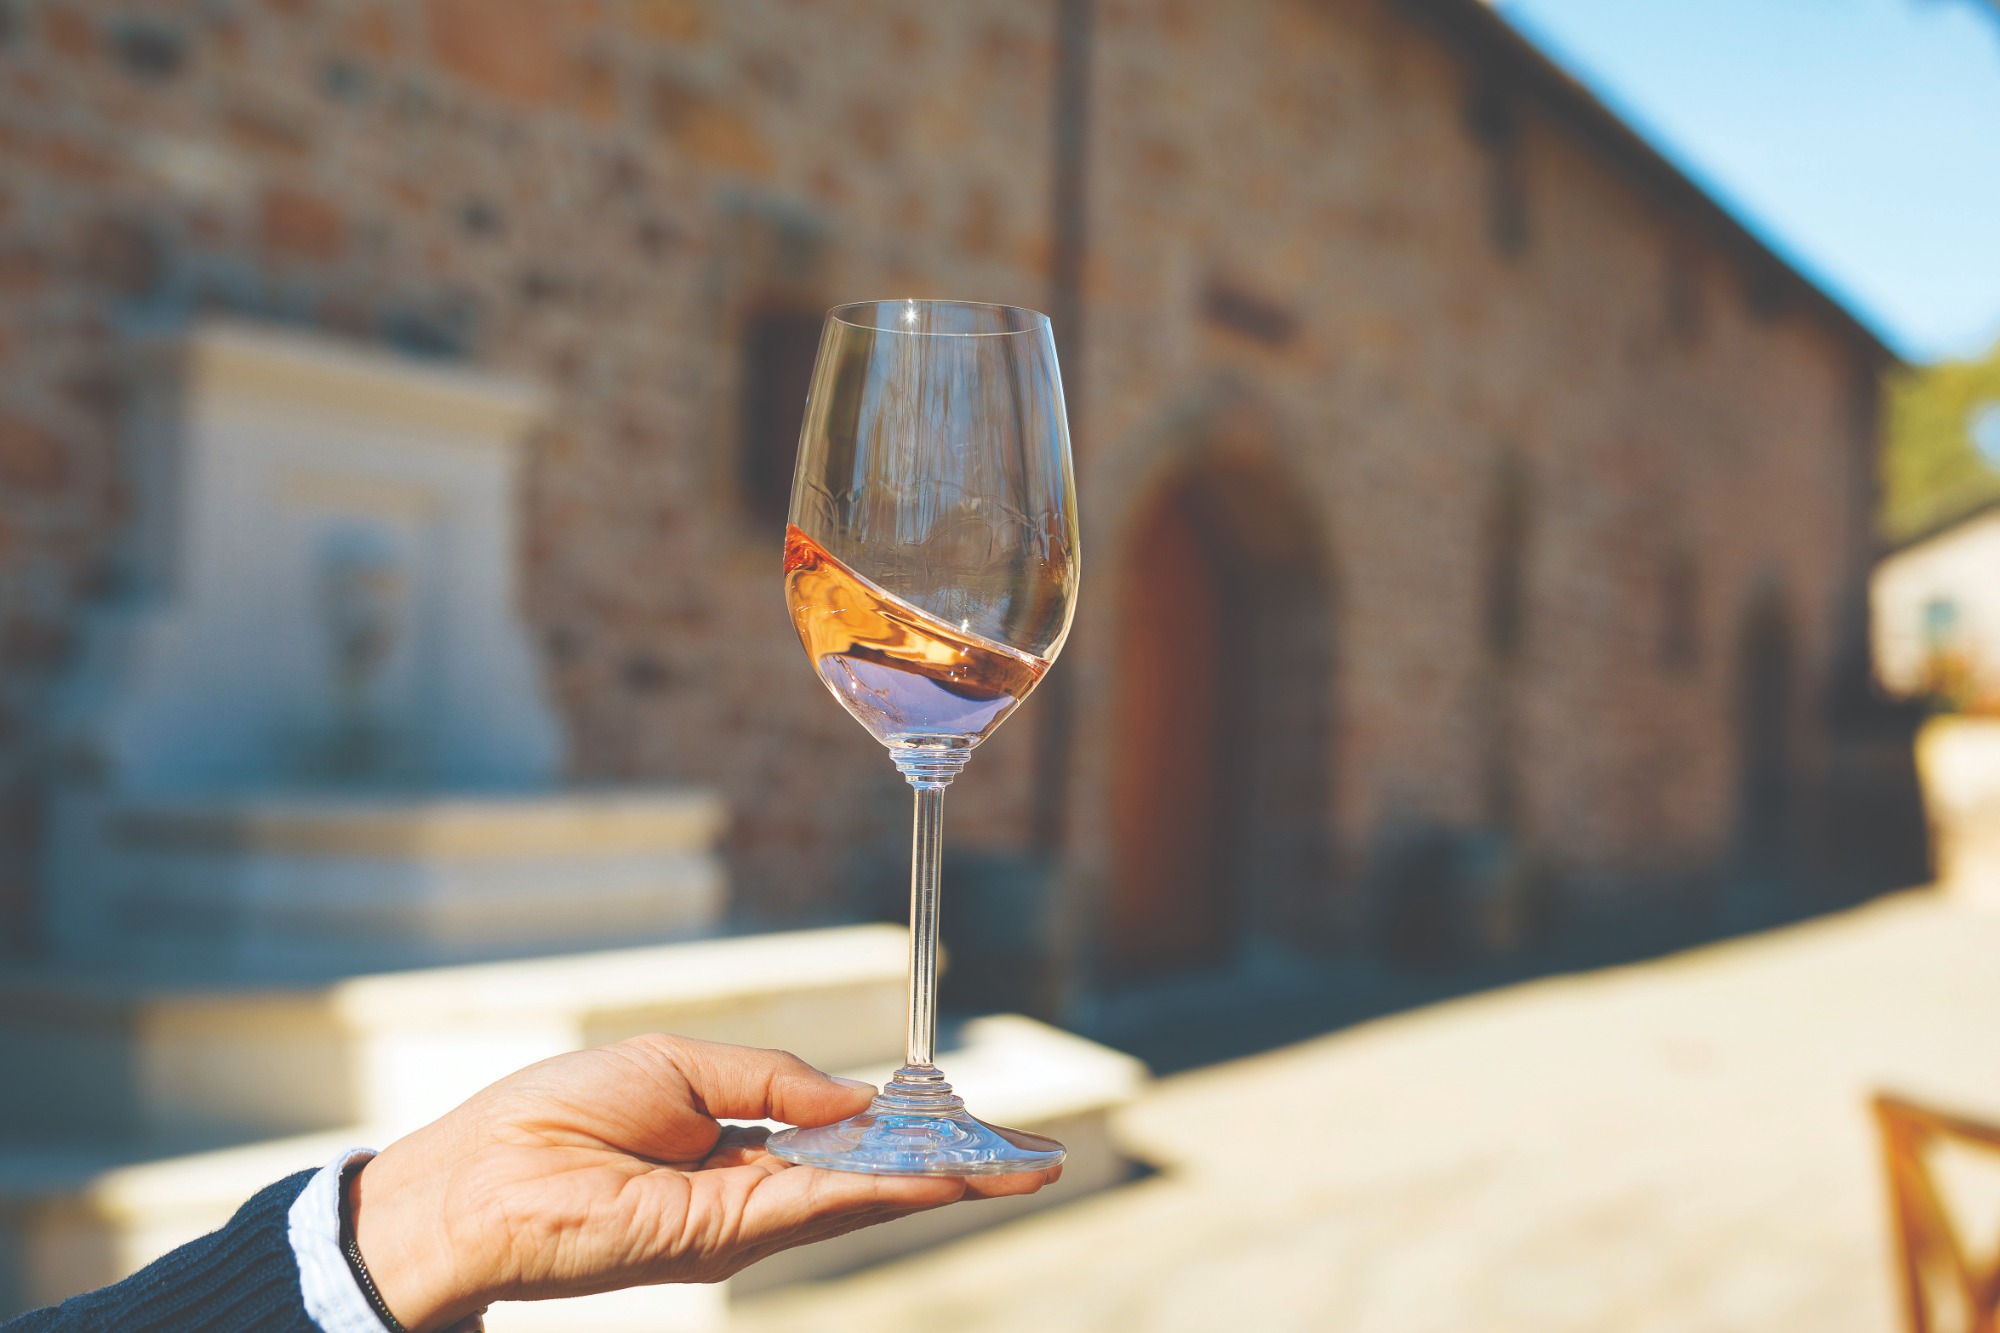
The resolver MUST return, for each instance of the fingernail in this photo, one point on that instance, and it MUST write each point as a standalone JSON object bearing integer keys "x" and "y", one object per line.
{"x": 852, "y": 1082}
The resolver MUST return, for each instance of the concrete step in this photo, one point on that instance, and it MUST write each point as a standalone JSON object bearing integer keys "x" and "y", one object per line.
{"x": 178, "y": 1062}
{"x": 76, "y": 1218}
{"x": 331, "y": 882}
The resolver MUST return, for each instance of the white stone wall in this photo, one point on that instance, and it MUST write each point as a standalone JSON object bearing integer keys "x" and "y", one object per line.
{"x": 1959, "y": 567}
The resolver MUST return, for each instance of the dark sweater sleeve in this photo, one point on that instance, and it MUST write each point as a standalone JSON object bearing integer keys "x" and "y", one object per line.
{"x": 236, "y": 1280}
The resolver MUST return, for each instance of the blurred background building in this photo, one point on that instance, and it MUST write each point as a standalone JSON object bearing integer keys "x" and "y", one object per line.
{"x": 1937, "y": 597}
{"x": 398, "y": 404}
{"x": 1478, "y": 517}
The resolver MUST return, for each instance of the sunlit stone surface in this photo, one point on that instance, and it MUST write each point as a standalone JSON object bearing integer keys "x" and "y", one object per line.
{"x": 312, "y": 734}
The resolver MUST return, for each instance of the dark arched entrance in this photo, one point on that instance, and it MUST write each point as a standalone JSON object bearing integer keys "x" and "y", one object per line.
{"x": 1222, "y": 727}
{"x": 1764, "y": 764}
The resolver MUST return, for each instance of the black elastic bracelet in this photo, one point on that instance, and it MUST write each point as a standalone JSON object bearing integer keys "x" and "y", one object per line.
{"x": 352, "y": 1249}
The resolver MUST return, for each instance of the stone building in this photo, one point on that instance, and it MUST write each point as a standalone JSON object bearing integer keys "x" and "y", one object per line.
{"x": 1937, "y": 613}
{"x": 1452, "y": 466}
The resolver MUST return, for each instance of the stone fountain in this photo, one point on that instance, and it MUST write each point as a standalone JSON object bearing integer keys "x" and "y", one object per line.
{"x": 312, "y": 733}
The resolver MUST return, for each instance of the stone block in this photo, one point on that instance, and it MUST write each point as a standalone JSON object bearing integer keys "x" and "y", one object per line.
{"x": 509, "y": 48}
{"x": 1959, "y": 761}
{"x": 69, "y": 33}
{"x": 127, "y": 1056}
{"x": 298, "y": 224}
{"x": 285, "y": 885}
{"x": 71, "y": 1220}
{"x": 678, "y": 21}
{"x": 32, "y": 459}
{"x": 708, "y": 129}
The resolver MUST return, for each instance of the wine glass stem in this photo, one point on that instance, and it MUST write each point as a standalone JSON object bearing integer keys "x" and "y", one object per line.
{"x": 926, "y": 857}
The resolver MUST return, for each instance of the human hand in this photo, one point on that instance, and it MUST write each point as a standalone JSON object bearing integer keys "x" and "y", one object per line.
{"x": 606, "y": 1168}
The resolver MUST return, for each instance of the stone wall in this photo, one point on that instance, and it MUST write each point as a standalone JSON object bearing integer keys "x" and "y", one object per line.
{"x": 1311, "y": 228}
{"x": 1317, "y": 243}
{"x": 595, "y": 196}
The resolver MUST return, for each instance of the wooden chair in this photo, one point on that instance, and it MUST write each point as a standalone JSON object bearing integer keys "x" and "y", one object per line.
{"x": 1928, "y": 1242}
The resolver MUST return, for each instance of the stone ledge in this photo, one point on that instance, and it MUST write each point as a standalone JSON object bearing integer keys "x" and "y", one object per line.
{"x": 429, "y": 827}
{"x": 180, "y": 1059}
{"x": 1959, "y": 760}
{"x": 292, "y": 369}
{"x": 707, "y": 970}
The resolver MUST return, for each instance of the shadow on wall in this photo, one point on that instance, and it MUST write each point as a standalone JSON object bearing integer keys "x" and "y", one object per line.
{"x": 1251, "y": 954}
{"x": 1806, "y": 838}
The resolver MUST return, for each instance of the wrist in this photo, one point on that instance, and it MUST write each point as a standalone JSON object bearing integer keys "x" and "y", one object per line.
{"x": 395, "y": 1214}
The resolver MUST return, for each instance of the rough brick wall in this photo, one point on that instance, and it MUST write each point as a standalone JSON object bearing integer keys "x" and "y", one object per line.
{"x": 589, "y": 194}
{"x": 1292, "y": 245}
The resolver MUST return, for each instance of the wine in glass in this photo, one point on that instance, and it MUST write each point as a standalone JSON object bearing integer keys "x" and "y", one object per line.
{"x": 931, "y": 571}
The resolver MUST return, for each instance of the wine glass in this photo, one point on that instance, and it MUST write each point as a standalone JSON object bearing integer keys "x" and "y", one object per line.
{"x": 931, "y": 571}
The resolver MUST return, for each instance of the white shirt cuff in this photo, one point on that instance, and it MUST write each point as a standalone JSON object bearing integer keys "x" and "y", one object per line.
{"x": 334, "y": 1300}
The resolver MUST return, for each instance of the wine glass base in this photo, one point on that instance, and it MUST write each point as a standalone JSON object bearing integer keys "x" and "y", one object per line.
{"x": 890, "y": 1144}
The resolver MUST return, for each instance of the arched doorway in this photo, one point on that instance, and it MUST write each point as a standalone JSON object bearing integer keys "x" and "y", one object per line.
{"x": 1223, "y": 736}
{"x": 1169, "y": 910}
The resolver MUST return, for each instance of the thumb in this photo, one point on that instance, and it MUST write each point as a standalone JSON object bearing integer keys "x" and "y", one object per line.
{"x": 753, "y": 1083}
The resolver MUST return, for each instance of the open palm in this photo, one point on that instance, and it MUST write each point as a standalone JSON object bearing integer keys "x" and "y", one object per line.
{"x": 609, "y": 1168}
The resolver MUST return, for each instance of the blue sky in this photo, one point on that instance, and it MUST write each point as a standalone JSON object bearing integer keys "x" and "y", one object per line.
{"x": 1861, "y": 137}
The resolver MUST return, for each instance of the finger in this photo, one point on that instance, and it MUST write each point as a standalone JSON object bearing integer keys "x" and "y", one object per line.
{"x": 833, "y": 1193}
{"x": 736, "y": 1260}
{"x": 659, "y": 1096}
{"x": 829, "y": 1227}
{"x": 736, "y": 1215}
{"x": 1021, "y": 1182}
{"x": 750, "y": 1083}
{"x": 790, "y": 1200}
{"x": 713, "y": 1216}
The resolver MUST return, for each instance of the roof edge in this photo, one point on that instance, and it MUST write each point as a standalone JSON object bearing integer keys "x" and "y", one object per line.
{"x": 1474, "y": 24}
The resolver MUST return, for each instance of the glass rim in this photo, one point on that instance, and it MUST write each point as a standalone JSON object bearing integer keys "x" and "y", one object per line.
{"x": 1036, "y": 321}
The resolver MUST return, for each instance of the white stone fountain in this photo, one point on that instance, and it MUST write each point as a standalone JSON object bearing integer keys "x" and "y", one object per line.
{"x": 312, "y": 733}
